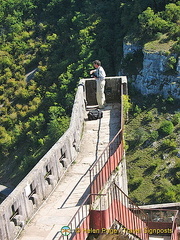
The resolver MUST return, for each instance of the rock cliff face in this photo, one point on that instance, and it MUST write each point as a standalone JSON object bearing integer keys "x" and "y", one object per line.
{"x": 152, "y": 78}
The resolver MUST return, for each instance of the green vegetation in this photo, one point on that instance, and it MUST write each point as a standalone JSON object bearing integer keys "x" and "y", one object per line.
{"x": 152, "y": 140}
{"x": 161, "y": 44}
{"x": 157, "y": 29}
{"x": 126, "y": 106}
{"x": 154, "y": 24}
{"x": 166, "y": 127}
{"x": 58, "y": 40}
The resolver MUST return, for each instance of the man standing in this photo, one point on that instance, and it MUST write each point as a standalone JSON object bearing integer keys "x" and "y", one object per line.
{"x": 99, "y": 74}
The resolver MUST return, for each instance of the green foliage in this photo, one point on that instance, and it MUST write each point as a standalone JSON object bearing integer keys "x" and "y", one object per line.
{"x": 175, "y": 174}
{"x": 36, "y": 122}
{"x": 5, "y": 138}
{"x": 148, "y": 117}
{"x": 57, "y": 126}
{"x": 137, "y": 110}
{"x": 170, "y": 100}
{"x": 152, "y": 160}
{"x": 171, "y": 64}
{"x": 176, "y": 119}
{"x": 166, "y": 192}
{"x": 151, "y": 168}
{"x": 140, "y": 136}
{"x": 172, "y": 12}
{"x": 154, "y": 135}
{"x": 135, "y": 183}
{"x": 151, "y": 23}
{"x": 176, "y": 46}
{"x": 169, "y": 144}
{"x": 166, "y": 127}
{"x": 127, "y": 105}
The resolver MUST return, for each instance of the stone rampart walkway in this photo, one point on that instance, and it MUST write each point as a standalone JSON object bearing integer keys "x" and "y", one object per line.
{"x": 73, "y": 188}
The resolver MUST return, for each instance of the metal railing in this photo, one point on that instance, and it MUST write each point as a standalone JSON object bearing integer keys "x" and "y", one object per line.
{"x": 79, "y": 225}
{"x": 99, "y": 217}
{"x": 131, "y": 218}
{"x": 174, "y": 235}
{"x": 161, "y": 215}
{"x": 108, "y": 161}
{"x": 163, "y": 222}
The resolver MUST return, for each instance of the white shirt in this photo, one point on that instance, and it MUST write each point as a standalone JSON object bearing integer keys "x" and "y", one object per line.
{"x": 100, "y": 73}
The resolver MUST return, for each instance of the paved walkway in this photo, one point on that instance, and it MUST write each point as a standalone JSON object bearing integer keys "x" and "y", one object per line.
{"x": 64, "y": 201}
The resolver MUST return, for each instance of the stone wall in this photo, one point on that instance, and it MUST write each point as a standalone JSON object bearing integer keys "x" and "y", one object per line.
{"x": 27, "y": 197}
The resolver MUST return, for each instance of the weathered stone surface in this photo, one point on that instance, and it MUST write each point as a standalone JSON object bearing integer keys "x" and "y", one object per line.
{"x": 153, "y": 79}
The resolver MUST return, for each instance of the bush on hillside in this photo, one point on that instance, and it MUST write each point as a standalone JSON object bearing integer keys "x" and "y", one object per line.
{"x": 166, "y": 128}
{"x": 169, "y": 144}
{"x": 154, "y": 135}
{"x": 176, "y": 119}
{"x": 137, "y": 110}
{"x": 148, "y": 117}
{"x": 135, "y": 183}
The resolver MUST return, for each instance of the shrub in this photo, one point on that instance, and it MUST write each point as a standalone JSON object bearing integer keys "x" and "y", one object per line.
{"x": 135, "y": 183}
{"x": 176, "y": 47}
{"x": 127, "y": 105}
{"x": 166, "y": 128}
{"x": 169, "y": 144}
{"x": 137, "y": 110}
{"x": 154, "y": 135}
{"x": 151, "y": 23}
{"x": 149, "y": 117}
{"x": 151, "y": 168}
{"x": 140, "y": 136}
{"x": 170, "y": 100}
{"x": 176, "y": 119}
{"x": 171, "y": 64}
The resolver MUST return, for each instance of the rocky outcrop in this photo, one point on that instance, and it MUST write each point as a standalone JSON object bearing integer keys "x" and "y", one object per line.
{"x": 152, "y": 79}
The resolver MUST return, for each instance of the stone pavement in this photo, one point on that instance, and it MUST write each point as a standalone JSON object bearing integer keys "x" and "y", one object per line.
{"x": 58, "y": 209}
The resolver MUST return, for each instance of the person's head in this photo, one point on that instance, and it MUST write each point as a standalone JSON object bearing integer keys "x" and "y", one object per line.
{"x": 96, "y": 63}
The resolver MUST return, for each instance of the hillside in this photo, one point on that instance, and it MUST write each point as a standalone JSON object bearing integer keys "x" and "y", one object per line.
{"x": 152, "y": 137}
{"x": 60, "y": 39}
{"x": 162, "y": 44}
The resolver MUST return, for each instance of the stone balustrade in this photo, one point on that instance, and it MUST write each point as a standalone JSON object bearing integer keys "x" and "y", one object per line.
{"x": 18, "y": 208}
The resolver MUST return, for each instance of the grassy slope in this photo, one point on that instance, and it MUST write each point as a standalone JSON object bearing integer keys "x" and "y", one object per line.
{"x": 153, "y": 170}
{"x": 162, "y": 44}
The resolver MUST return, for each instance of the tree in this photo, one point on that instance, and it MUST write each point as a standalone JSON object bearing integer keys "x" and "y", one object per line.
{"x": 6, "y": 60}
{"x": 172, "y": 12}
{"x": 5, "y": 140}
{"x": 57, "y": 126}
{"x": 151, "y": 23}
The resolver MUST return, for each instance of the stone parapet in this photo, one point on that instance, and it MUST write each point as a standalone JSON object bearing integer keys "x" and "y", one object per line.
{"x": 18, "y": 208}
